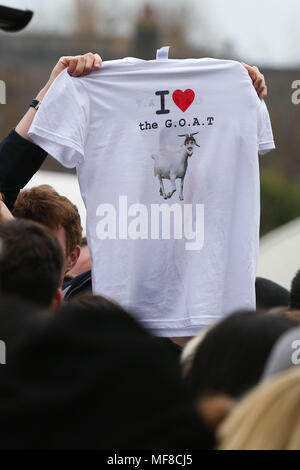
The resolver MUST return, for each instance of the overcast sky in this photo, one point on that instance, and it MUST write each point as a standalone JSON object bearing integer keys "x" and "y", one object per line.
{"x": 260, "y": 31}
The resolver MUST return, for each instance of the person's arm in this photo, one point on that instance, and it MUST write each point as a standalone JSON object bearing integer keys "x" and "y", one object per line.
{"x": 20, "y": 158}
{"x": 19, "y": 161}
{"x": 78, "y": 66}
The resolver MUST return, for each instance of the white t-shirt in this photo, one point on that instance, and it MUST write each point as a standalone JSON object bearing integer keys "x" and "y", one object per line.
{"x": 136, "y": 130}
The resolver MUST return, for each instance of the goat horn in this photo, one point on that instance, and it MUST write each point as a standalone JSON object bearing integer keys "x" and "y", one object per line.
{"x": 195, "y": 133}
{"x": 182, "y": 135}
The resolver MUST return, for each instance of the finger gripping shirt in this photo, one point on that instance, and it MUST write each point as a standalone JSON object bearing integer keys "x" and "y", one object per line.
{"x": 166, "y": 156}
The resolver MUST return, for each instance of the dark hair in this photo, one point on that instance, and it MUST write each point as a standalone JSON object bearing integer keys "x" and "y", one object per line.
{"x": 269, "y": 294}
{"x": 83, "y": 242}
{"x": 31, "y": 261}
{"x": 294, "y": 301}
{"x": 232, "y": 355}
{"x": 89, "y": 301}
{"x": 45, "y": 206}
{"x": 94, "y": 379}
{"x": 18, "y": 319}
{"x": 98, "y": 302}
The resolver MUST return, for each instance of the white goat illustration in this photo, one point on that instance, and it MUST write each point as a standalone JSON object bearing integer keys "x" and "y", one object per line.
{"x": 174, "y": 166}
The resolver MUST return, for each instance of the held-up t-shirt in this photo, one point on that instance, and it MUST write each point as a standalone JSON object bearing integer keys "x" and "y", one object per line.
{"x": 166, "y": 156}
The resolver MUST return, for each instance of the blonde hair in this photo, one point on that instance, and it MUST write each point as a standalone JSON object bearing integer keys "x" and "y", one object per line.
{"x": 268, "y": 418}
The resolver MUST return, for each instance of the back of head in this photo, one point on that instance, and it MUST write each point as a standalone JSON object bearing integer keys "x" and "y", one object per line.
{"x": 31, "y": 262}
{"x": 294, "y": 301}
{"x": 268, "y": 418}
{"x": 45, "y": 206}
{"x": 269, "y": 294}
{"x": 18, "y": 320}
{"x": 284, "y": 355}
{"x": 232, "y": 355}
{"x": 93, "y": 378}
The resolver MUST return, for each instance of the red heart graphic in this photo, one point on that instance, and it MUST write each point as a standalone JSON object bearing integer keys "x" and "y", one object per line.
{"x": 183, "y": 99}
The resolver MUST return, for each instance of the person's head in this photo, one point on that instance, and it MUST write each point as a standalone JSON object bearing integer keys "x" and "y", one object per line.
{"x": 5, "y": 214}
{"x": 31, "y": 263}
{"x": 90, "y": 301}
{"x": 266, "y": 419}
{"x": 284, "y": 355}
{"x": 286, "y": 312}
{"x": 111, "y": 386}
{"x": 18, "y": 319}
{"x": 294, "y": 301}
{"x": 84, "y": 263}
{"x": 45, "y": 206}
{"x": 269, "y": 294}
{"x": 231, "y": 357}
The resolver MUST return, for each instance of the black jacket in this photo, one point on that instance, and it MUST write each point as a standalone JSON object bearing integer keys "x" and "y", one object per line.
{"x": 19, "y": 161}
{"x": 81, "y": 284}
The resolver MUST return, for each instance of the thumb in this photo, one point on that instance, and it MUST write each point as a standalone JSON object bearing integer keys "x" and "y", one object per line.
{"x": 61, "y": 65}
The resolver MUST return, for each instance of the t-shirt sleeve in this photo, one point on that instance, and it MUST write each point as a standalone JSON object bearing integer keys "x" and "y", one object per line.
{"x": 265, "y": 134}
{"x": 61, "y": 123}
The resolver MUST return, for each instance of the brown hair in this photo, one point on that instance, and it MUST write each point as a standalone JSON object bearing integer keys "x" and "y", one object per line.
{"x": 83, "y": 242}
{"x": 44, "y": 205}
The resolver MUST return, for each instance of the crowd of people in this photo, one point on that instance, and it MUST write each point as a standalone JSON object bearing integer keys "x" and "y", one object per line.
{"x": 81, "y": 373}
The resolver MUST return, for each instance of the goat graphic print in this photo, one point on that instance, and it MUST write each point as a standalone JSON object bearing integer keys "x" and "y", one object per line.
{"x": 177, "y": 142}
{"x": 173, "y": 165}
